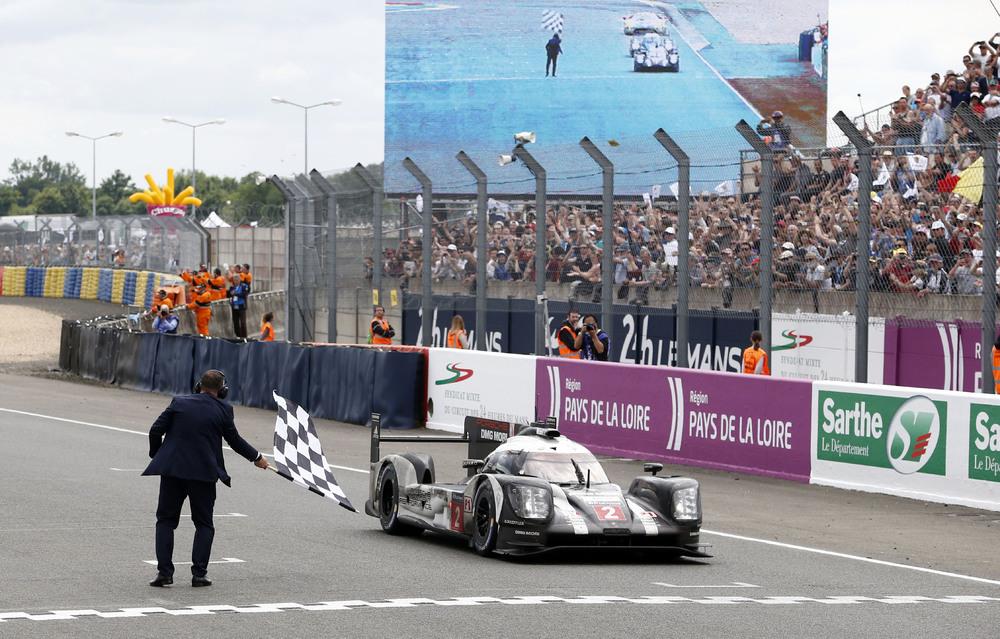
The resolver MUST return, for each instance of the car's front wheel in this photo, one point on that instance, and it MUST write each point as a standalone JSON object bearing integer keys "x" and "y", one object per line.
{"x": 388, "y": 505}
{"x": 484, "y": 525}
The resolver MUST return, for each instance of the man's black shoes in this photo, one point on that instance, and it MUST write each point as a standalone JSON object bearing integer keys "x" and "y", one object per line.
{"x": 200, "y": 582}
{"x": 161, "y": 581}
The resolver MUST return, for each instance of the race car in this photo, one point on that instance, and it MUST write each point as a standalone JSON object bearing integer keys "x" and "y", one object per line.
{"x": 535, "y": 492}
{"x": 645, "y": 22}
{"x": 656, "y": 52}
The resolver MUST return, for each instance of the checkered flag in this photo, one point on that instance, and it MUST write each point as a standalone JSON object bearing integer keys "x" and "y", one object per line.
{"x": 298, "y": 455}
{"x": 552, "y": 21}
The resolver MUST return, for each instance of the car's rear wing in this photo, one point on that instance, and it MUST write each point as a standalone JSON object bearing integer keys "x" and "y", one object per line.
{"x": 481, "y": 435}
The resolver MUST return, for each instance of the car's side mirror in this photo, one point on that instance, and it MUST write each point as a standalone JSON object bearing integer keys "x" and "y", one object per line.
{"x": 652, "y": 468}
{"x": 475, "y": 463}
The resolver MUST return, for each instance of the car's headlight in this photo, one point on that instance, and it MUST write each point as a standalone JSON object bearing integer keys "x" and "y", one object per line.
{"x": 686, "y": 506}
{"x": 530, "y": 502}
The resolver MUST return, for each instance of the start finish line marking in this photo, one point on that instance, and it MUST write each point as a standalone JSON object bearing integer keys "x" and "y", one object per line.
{"x": 414, "y": 602}
{"x": 735, "y": 584}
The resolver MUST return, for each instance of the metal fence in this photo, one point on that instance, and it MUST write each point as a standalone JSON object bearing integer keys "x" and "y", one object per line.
{"x": 139, "y": 242}
{"x": 848, "y": 235}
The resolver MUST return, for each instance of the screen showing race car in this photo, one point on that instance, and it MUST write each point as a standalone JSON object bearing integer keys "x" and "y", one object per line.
{"x": 467, "y": 75}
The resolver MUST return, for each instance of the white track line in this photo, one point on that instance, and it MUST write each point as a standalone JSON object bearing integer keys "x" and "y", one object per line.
{"x": 224, "y": 560}
{"x": 768, "y": 542}
{"x": 460, "y": 602}
{"x": 869, "y": 560}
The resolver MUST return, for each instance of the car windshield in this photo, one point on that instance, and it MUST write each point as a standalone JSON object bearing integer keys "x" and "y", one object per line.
{"x": 558, "y": 468}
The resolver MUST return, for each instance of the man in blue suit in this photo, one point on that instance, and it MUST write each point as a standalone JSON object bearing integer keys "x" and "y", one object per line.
{"x": 189, "y": 461}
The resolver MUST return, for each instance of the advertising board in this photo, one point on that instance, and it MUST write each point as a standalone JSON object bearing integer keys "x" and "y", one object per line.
{"x": 733, "y": 422}
{"x": 464, "y": 383}
{"x": 931, "y": 445}
{"x": 821, "y": 347}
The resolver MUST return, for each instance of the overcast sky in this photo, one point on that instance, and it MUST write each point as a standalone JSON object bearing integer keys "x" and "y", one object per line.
{"x": 107, "y": 65}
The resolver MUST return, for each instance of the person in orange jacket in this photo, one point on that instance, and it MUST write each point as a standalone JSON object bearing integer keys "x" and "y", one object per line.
{"x": 162, "y": 299}
{"x": 217, "y": 286}
{"x": 202, "y": 307}
{"x": 266, "y": 328}
{"x": 996, "y": 366}
{"x": 754, "y": 357}
{"x": 380, "y": 331}
{"x": 247, "y": 277}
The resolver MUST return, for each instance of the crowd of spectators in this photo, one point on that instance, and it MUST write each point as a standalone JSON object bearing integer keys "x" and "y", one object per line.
{"x": 133, "y": 254}
{"x": 926, "y": 239}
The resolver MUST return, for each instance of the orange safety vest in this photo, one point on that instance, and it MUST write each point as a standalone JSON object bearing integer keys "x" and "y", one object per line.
{"x": 374, "y": 338}
{"x": 566, "y": 351}
{"x": 996, "y": 370}
{"x": 266, "y": 332}
{"x": 202, "y": 306}
{"x": 157, "y": 303}
{"x": 217, "y": 287}
{"x": 755, "y": 361}
{"x": 453, "y": 341}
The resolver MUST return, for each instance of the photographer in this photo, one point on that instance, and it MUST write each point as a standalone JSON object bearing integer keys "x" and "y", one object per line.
{"x": 593, "y": 342}
{"x": 166, "y": 322}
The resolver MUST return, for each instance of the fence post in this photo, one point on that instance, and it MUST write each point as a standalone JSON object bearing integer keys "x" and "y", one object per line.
{"x": 607, "y": 235}
{"x": 683, "y": 243}
{"x": 292, "y": 333}
{"x": 330, "y": 193}
{"x": 862, "y": 284}
{"x": 377, "y": 195}
{"x": 536, "y": 169}
{"x": 766, "y": 228}
{"x": 481, "y": 254}
{"x": 987, "y": 138}
{"x": 309, "y": 258}
{"x": 427, "y": 227}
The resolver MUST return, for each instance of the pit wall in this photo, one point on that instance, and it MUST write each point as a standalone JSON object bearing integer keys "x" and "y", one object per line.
{"x": 939, "y": 446}
{"x": 118, "y": 286}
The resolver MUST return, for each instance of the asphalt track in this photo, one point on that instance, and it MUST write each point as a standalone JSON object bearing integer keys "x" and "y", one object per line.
{"x": 77, "y": 524}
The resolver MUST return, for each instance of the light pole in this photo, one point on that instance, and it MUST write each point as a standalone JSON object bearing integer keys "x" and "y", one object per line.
{"x": 194, "y": 128}
{"x": 93, "y": 166}
{"x": 305, "y": 110}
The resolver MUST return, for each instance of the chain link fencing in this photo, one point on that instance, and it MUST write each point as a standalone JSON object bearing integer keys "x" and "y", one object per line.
{"x": 137, "y": 242}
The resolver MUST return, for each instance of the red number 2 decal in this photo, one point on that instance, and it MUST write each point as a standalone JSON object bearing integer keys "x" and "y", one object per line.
{"x": 609, "y": 513}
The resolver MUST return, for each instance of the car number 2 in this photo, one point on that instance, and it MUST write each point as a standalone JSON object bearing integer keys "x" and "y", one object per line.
{"x": 609, "y": 513}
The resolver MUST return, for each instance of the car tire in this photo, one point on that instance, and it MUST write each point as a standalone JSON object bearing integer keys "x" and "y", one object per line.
{"x": 389, "y": 504}
{"x": 635, "y": 67}
{"x": 484, "y": 520}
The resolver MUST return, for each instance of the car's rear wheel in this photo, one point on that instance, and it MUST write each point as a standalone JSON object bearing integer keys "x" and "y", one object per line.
{"x": 388, "y": 505}
{"x": 484, "y": 520}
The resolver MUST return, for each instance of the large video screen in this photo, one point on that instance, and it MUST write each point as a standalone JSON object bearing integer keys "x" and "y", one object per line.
{"x": 467, "y": 75}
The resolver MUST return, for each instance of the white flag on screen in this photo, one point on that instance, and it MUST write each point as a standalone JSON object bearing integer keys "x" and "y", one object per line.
{"x": 552, "y": 21}
{"x": 298, "y": 455}
{"x": 655, "y": 191}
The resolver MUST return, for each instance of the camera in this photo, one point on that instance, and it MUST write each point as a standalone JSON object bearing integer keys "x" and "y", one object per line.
{"x": 590, "y": 327}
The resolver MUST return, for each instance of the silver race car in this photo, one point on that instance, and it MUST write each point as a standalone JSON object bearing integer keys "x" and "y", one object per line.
{"x": 533, "y": 492}
{"x": 656, "y": 52}
{"x": 645, "y": 22}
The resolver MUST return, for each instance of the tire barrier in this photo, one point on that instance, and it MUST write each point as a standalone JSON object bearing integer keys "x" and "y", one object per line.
{"x": 334, "y": 382}
{"x": 120, "y": 286}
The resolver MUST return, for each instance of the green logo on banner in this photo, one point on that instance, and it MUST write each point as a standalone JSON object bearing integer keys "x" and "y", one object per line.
{"x": 905, "y": 434}
{"x": 984, "y": 442}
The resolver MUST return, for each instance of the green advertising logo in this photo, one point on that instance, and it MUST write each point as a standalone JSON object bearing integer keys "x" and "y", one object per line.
{"x": 905, "y": 434}
{"x": 984, "y": 442}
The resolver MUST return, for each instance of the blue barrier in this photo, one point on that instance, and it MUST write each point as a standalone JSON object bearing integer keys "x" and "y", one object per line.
{"x": 333, "y": 382}
{"x": 174, "y": 370}
{"x": 136, "y": 362}
{"x": 128, "y": 291}
{"x": 395, "y": 370}
{"x": 224, "y": 355}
